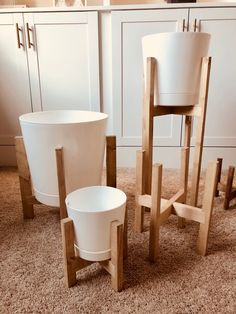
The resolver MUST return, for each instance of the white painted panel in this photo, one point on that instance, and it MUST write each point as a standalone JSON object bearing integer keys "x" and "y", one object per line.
{"x": 64, "y": 64}
{"x": 14, "y": 84}
{"x": 221, "y": 112}
{"x": 127, "y": 67}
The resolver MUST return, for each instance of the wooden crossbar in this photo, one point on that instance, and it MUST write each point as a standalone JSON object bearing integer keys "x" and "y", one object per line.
{"x": 195, "y": 111}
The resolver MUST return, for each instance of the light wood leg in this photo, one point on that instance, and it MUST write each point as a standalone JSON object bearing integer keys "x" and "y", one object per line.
{"x": 117, "y": 255}
{"x": 207, "y": 206}
{"x": 125, "y": 234}
{"x": 203, "y": 95}
{"x": 24, "y": 177}
{"x": 139, "y": 210}
{"x": 154, "y": 247}
{"x": 61, "y": 182}
{"x": 111, "y": 161}
{"x": 147, "y": 125}
{"x": 228, "y": 186}
{"x": 67, "y": 231}
{"x": 218, "y": 175}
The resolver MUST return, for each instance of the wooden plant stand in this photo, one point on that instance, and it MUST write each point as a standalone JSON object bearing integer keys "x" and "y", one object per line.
{"x": 227, "y": 188}
{"x": 72, "y": 263}
{"x": 28, "y": 199}
{"x": 144, "y": 165}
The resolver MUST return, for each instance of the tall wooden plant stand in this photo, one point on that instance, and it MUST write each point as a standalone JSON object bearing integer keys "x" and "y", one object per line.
{"x": 144, "y": 181}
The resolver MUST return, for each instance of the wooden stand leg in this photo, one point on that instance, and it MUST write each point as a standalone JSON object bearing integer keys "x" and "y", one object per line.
{"x": 155, "y": 213}
{"x": 61, "y": 182}
{"x": 218, "y": 175}
{"x": 147, "y": 127}
{"x": 24, "y": 177}
{"x": 203, "y": 95}
{"x": 111, "y": 161}
{"x": 228, "y": 186}
{"x": 184, "y": 179}
{"x": 67, "y": 231}
{"x": 125, "y": 234}
{"x": 207, "y": 206}
{"x": 139, "y": 210}
{"x": 117, "y": 255}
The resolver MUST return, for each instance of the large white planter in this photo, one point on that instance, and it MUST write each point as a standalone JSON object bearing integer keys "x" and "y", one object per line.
{"x": 82, "y": 136}
{"x": 178, "y": 57}
{"x": 92, "y": 210}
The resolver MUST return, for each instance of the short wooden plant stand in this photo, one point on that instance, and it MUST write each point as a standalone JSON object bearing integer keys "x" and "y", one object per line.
{"x": 73, "y": 263}
{"x": 149, "y": 184}
{"x": 227, "y": 188}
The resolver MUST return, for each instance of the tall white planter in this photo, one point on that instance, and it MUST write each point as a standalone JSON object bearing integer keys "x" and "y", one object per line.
{"x": 82, "y": 136}
{"x": 92, "y": 210}
{"x": 178, "y": 57}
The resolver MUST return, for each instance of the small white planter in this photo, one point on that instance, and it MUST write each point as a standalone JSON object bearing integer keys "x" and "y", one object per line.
{"x": 178, "y": 58}
{"x": 92, "y": 210}
{"x": 82, "y": 136}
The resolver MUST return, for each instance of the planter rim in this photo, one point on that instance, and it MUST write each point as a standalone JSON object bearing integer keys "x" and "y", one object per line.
{"x": 55, "y": 117}
{"x": 177, "y": 34}
{"x": 88, "y": 190}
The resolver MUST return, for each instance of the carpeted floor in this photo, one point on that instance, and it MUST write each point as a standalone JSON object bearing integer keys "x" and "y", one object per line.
{"x": 31, "y": 267}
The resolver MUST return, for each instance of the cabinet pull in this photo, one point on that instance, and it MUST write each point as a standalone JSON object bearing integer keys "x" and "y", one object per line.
{"x": 185, "y": 26}
{"x": 195, "y": 26}
{"x": 28, "y": 29}
{"x": 18, "y": 30}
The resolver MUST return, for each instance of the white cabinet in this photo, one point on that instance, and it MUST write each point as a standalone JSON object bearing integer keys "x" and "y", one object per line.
{"x": 14, "y": 82}
{"x": 128, "y": 27}
{"x": 63, "y": 60}
{"x": 221, "y": 111}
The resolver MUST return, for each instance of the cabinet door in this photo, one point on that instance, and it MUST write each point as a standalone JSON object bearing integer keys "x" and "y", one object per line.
{"x": 221, "y": 110}
{"x": 14, "y": 81}
{"x": 63, "y": 60}
{"x": 127, "y": 67}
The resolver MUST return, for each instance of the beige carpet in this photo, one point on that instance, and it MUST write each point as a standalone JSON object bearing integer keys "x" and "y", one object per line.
{"x": 31, "y": 267}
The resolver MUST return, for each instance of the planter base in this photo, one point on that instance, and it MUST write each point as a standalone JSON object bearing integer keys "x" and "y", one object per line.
{"x": 72, "y": 263}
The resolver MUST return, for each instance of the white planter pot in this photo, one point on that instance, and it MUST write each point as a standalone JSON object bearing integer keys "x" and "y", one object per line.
{"x": 178, "y": 57}
{"x": 82, "y": 136}
{"x": 92, "y": 210}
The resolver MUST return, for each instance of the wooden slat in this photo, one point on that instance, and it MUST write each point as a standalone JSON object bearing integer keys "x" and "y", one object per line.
{"x": 67, "y": 231}
{"x": 24, "y": 178}
{"x": 218, "y": 175}
{"x": 145, "y": 200}
{"x": 61, "y": 182}
{"x": 117, "y": 255}
{"x": 203, "y": 96}
{"x": 139, "y": 210}
{"x": 207, "y": 205}
{"x": 111, "y": 161}
{"x": 228, "y": 186}
{"x": 147, "y": 125}
{"x": 166, "y": 210}
{"x": 154, "y": 248}
{"x": 188, "y": 212}
{"x": 180, "y": 110}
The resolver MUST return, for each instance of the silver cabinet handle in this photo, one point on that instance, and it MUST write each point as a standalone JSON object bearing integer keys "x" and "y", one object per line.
{"x": 28, "y": 30}
{"x": 18, "y": 30}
